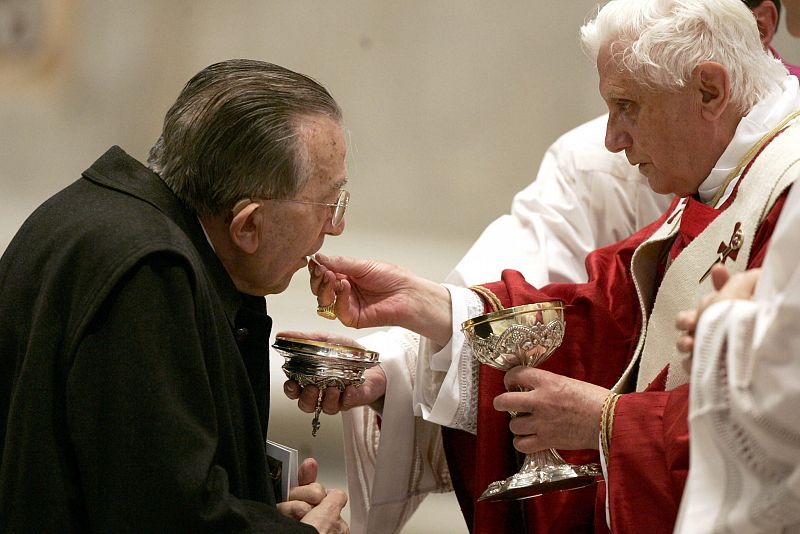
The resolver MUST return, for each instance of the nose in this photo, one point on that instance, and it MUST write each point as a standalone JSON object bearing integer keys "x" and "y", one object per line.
{"x": 617, "y": 138}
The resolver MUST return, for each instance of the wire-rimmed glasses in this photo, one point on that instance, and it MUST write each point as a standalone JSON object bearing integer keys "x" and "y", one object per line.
{"x": 339, "y": 207}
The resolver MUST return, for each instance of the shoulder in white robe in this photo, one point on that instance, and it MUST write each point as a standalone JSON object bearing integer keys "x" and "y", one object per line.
{"x": 744, "y": 414}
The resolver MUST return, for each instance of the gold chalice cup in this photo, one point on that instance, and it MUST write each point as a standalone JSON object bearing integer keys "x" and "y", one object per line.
{"x": 310, "y": 362}
{"x": 526, "y": 335}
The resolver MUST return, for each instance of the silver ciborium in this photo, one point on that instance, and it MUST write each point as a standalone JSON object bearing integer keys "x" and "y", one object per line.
{"x": 322, "y": 364}
{"x": 526, "y": 335}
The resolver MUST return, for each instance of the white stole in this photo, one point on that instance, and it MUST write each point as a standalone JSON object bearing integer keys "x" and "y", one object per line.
{"x": 769, "y": 175}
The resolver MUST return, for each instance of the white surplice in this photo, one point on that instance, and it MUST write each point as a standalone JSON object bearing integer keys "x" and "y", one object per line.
{"x": 744, "y": 414}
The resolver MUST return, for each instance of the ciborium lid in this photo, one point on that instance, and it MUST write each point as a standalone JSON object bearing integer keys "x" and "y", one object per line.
{"x": 323, "y": 349}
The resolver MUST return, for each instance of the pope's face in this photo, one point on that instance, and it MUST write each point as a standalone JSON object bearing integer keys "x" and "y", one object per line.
{"x": 292, "y": 231}
{"x": 661, "y": 132}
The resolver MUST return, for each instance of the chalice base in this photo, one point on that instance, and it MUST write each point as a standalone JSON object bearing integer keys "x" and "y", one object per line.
{"x": 541, "y": 480}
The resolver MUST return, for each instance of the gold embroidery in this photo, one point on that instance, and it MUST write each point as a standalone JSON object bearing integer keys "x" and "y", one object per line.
{"x": 755, "y": 149}
{"x": 607, "y": 423}
{"x": 489, "y": 297}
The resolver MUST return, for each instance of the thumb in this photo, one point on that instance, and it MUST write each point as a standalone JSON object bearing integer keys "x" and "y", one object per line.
{"x": 307, "y": 472}
{"x": 373, "y": 388}
{"x": 719, "y": 275}
{"x": 516, "y": 376}
{"x": 359, "y": 396}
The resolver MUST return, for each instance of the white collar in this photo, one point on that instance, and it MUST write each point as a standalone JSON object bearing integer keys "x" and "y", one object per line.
{"x": 764, "y": 116}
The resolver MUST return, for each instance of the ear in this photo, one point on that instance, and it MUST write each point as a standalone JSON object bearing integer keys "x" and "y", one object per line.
{"x": 244, "y": 227}
{"x": 767, "y": 21}
{"x": 713, "y": 85}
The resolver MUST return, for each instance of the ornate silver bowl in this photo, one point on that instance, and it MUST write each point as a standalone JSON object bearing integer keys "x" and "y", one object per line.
{"x": 322, "y": 364}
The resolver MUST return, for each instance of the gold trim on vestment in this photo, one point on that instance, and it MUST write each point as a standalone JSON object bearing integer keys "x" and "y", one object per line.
{"x": 748, "y": 157}
{"x": 607, "y": 423}
{"x": 489, "y": 297}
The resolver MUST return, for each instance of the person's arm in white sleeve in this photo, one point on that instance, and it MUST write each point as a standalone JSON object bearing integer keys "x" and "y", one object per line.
{"x": 744, "y": 397}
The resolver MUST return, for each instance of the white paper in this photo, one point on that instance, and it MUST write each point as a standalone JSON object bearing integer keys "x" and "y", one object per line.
{"x": 288, "y": 457}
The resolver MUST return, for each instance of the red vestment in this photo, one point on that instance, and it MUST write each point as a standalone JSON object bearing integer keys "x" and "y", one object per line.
{"x": 649, "y": 446}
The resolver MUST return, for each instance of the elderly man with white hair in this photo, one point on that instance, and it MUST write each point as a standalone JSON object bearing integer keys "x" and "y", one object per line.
{"x": 705, "y": 114}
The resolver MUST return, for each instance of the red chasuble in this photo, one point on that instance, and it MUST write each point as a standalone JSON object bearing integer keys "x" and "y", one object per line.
{"x": 649, "y": 446}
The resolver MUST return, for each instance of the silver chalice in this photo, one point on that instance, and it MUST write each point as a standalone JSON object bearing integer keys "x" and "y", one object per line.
{"x": 526, "y": 335}
{"x": 322, "y": 364}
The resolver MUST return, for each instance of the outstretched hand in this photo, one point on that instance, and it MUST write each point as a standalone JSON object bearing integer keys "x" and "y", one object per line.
{"x": 368, "y": 293}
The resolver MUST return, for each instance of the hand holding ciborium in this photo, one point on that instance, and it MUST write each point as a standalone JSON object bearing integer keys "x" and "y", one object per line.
{"x": 526, "y": 335}
{"x": 324, "y": 365}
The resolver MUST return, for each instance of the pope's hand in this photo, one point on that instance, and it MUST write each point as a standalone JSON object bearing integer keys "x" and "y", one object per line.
{"x": 368, "y": 293}
{"x": 554, "y": 412}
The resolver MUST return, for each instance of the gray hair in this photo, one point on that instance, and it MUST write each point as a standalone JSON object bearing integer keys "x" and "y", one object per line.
{"x": 660, "y": 42}
{"x": 235, "y": 132}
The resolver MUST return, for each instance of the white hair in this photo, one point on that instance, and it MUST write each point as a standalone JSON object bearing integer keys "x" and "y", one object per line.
{"x": 660, "y": 42}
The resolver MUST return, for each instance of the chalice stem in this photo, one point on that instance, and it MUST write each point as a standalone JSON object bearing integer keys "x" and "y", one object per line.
{"x": 539, "y": 460}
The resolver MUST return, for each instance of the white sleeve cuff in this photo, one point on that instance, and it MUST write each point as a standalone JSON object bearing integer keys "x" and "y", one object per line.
{"x": 446, "y": 382}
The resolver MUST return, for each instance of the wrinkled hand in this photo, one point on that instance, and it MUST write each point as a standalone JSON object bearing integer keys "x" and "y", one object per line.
{"x": 554, "y": 412}
{"x": 740, "y": 286}
{"x": 310, "y": 503}
{"x": 333, "y": 400}
{"x": 306, "y": 495}
{"x": 368, "y": 293}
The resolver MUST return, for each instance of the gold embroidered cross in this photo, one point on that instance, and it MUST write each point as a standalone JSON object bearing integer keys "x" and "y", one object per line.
{"x": 729, "y": 250}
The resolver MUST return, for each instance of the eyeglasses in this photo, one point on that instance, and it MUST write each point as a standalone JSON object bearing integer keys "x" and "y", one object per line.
{"x": 339, "y": 207}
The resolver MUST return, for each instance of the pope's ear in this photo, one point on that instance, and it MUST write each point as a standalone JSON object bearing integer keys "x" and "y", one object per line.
{"x": 713, "y": 84}
{"x": 766, "y": 14}
{"x": 244, "y": 228}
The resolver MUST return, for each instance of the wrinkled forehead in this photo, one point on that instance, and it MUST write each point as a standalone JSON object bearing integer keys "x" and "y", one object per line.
{"x": 610, "y": 58}
{"x": 613, "y": 76}
{"x": 326, "y": 154}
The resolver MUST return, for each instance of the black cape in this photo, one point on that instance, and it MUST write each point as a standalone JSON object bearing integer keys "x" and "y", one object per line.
{"x": 134, "y": 378}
